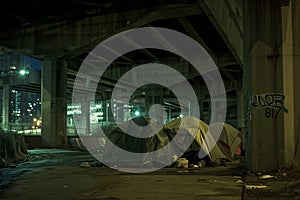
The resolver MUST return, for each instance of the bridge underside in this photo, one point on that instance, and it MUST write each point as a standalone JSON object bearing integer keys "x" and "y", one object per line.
{"x": 254, "y": 53}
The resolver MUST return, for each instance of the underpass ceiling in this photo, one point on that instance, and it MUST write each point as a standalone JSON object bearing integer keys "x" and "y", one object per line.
{"x": 18, "y": 15}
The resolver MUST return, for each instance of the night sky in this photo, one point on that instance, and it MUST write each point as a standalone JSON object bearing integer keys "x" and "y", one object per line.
{"x": 35, "y": 64}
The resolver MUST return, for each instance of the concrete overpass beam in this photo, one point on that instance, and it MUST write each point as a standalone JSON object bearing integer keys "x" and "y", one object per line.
{"x": 227, "y": 17}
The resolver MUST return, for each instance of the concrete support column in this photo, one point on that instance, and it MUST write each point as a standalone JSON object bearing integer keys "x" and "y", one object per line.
{"x": 261, "y": 43}
{"x": 269, "y": 84}
{"x": 199, "y": 91}
{"x": 6, "y": 107}
{"x": 288, "y": 141}
{"x": 154, "y": 95}
{"x": 54, "y": 103}
{"x": 85, "y": 116}
{"x": 295, "y": 23}
{"x": 241, "y": 115}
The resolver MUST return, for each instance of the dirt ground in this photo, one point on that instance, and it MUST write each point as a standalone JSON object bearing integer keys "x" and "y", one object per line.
{"x": 64, "y": 180}
{"x": 284, "y": 184}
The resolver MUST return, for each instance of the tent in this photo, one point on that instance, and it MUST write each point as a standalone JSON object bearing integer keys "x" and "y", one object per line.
{"x": 229, "y": 141}
{"x": 202, "y": 143}
{"x": 121, "y": 141}
{"x": 182, "y": 135}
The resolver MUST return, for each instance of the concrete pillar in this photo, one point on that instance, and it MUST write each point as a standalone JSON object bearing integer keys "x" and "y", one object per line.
{"x": 288, "y": 141}
{"x": 241, "y": 115}
{"x": 200, "y": 93}
{"x": 295, "y": 16}
{"x": 85, "y": 116}
{"x": 54, "y": 103}
{"x": 154, "y": 95}
{"x": 6, "y": 107}
{"x": 268, "y": 84}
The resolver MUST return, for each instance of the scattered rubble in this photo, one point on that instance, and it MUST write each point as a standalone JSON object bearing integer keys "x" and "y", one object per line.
{"x": 85, "y": 164}
{"x": 12, "y": 148}
{"x": 256, "y": 186}
{"x": 182, "y": 163}
{"x": 267, "y": 177}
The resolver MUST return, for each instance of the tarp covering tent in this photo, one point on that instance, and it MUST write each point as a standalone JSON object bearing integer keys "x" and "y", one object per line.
{"x": 187, "y": 134}
{"x": 119, "y": 140}
{"x": 138, "y": 144}
{"x": 230, "y": 139}
{"x": 202, "y": 137}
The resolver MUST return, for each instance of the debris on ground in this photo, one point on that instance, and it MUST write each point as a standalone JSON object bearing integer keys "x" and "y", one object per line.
{"x": 182, "y": 163}
{"x": 267, "y": 177}
{"x": 202, "y": 163}
{"x": 194, "y": 166}
{"x": 295, "y": 191}
{"x": 97, "y": 164}
{"x": 256, "y": 186}
{"x": 85, "y": 164}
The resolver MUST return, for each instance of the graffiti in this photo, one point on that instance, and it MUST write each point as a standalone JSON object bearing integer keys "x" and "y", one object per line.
{"x": 271, "y": 113}
{"x": 60, "y": 104}
{"x": 247, "y": 107}
{"x": 272, "y": 101}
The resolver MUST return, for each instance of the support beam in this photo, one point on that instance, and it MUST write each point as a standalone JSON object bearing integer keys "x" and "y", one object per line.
{"x": 65, "y": 39}
{"x": 154, "y": 95}
{"x": 288, "y": 141}
{"x": 6, "y": 107}
{"x": 54, "y": 102}
{"x": 270, "y": 69}
{"x": 260, "y": 40}
{"x": 295, "y": 15}
{"x": 186, "y": 24}
{"x": 226, "y": 17}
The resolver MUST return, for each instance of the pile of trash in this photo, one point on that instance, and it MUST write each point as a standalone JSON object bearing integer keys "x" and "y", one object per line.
{"x": 12, "y": 148}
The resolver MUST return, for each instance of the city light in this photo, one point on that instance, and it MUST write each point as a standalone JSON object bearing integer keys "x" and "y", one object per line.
{"x": 137, "y": 113}
{"x": 23, "y": 72}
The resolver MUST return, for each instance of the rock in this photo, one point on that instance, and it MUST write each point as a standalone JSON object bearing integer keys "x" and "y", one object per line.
{"x": 85, "y": 164}
{"x": 295, "y": 191}
{"x": 97, "y": 164}
{"x": 266, "y": 177}
{"x": 3, "y": 163}
{"x": 256, "y": 186}
{"x": 202, "y": 163}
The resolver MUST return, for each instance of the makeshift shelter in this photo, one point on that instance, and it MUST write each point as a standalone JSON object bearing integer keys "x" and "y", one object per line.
{"x": 229, "y": 140}
{"x": 163, "y": 144}
{"x": 197, "y": 130}
{"x": 120, "y": 142}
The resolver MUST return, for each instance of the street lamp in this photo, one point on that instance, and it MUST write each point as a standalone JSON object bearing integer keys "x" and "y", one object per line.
{"x": 23, "y": 72}
{"x": 137, "y": 113}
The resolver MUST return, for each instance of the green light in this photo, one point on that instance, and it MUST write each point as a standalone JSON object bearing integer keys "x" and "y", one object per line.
{"x": 181, "y": 115}
{"x": 137, "y": 113}
{"x": 23, "y": 72}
